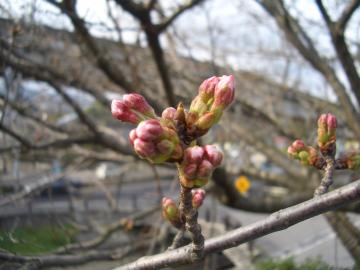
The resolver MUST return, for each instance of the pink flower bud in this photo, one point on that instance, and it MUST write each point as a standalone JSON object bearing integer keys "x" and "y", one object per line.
{"x": 171, "y": 212}
{"x": 149, "y": 130}
{"x": 169, "y": 113}
{"x": 207, "y": 88}
{"x": 190, "y": 171}
{"x": 205, "y": 169}
{"x": 143, "y": 148}
{"x": 193, "y": 154}
{"x": 298, "y": 145}
{"x": 198, "y": 196}
{"x": 322, "y": 120}
{"x": 224, "y": 92}
{"x": 326, "y": 138}
{"x": 213, "y": 154}
{"x": 138, "y": 103}
{"x": 331, "y": 122}
{"x": 121, "y": 112}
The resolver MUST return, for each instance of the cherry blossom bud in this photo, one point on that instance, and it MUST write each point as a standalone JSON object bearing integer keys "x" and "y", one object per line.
{"x": 198, "y": 164}
{"x": 133, "y": 108}
{"x": 194, "y": 154}
{"x": 307, "y": 155}
{"x": 149, "y": 130}
{"x": 138, "y": 103}
{"x": 169, "y": 113}
{"x": 326, "y": 138}
{"x": 224, "y": 92}
{"x": 207, "y": 88}
{"x": 156, "y": 141}
{"x": 295, "y": 148}
{"x": 198, "y": 196}
{"x": 213, "y": 154}
{"x": 121, "y": 112}
{"x": 171, "y": 212}
{"x": 206, "y": 121}
{"x": 144, "y": 149}
{"x": 205, "y": 169}
{"x": 190, "y": 171}
{"x": 198, "y": 106}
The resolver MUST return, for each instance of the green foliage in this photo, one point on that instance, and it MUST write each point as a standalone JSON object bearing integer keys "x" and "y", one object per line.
{"x": 289, "y": 264}
{"x": 37, "y": 239}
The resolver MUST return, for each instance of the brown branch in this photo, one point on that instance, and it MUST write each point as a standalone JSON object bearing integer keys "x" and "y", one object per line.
{"x": 81, "y": 114}
{"x": 347, "y": 13}
{"x": 336, "y": 30}
{"x": 280, "y": 220}
{"x": 296, "y": 35}
{"x": 25, "y": 113}
{"x": 181, "y": 9}
{"x": 15, "y": 135}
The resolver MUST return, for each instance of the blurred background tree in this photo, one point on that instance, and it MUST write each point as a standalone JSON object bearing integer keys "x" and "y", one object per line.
{"x": 63, "y": 61}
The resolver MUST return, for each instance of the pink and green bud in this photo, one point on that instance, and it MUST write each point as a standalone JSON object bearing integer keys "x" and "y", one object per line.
{"x": 156, "y": 142}
{"x": 307, "y": 155}
{"x": 198, "y": 164}
{"x": 295, "y": 148}
{"x": 169, "y": 113}
{"x": 198, "y": 196}
{"x": 139, "y": 104}
{"x": 205, "y": 169}
{"x": 198, "y": 106}
{"x": 327, "y": 125}
{"x": 149, "y": 130}
{"x": 350, "y": 161}
{"x": 194, "y": 154}
{"x": 213, "y": 154}
{"x": 171, "y": 212}
{"x": 224, "y": 92}
{"x": 132, "y": 108}
{"x": 207, "y": 89}
{"x": 121, "y": 112}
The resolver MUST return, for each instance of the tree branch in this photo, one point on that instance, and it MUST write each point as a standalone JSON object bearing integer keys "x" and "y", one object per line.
{"x": 278, "y": 221}
{"x": 347, "y": 13}
{"x": 181, "y": 9}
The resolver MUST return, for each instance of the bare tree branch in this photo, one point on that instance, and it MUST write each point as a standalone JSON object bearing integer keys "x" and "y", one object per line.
{"x": 278, "y": 221}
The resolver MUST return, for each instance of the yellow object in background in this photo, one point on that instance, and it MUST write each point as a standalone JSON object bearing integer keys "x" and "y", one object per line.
{"x": 242, "y": 184}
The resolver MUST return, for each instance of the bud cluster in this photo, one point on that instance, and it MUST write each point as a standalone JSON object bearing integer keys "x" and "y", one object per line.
{"x": 215, "y": 94}
{"x": 326, "y": 138}
{"x": 198, "y": 165}
{"x": 156, "y": 141}
{"x": 167, "y": 139}
{"x": 306, "y": 154}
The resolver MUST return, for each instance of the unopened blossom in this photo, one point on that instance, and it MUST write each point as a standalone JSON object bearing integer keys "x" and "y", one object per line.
{"x": 132, "y": 108}
{"x": 198, "y": 196}
{"x": 224, "y": 92}
{"x": 327, "y": 125}
{"x": 350, "y": 161}
{"x": 307, "y": 155}
{"x": 198, "y": 164}
{"x": 155, "y": 141}
{"x": 215, "y": 95}
{"x": 169, "y": 113}
{"x": 170, "y": 212}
